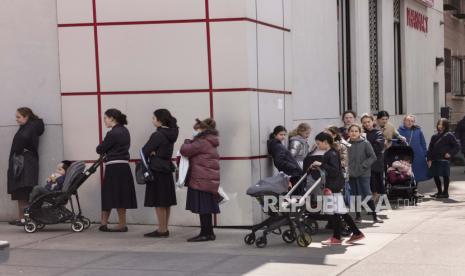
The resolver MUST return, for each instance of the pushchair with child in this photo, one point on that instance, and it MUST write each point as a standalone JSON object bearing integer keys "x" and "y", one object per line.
{"x": 287, "y": 210}
{"x": 51, "y": 208}
{"x": 400, "y": 180}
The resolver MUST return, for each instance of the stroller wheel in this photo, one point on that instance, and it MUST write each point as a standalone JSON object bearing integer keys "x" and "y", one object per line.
{"x": 86, "y": 222}
{"x": 289, "y": 236}
{"x": 304, "y": 240}
{"x": 249, "y": 239}
{"x": 311, "y": 226}
{"x": 261, "y": 242}
{"x": 77, "y": 226}
{"x": 40, "y": 226}
{"x": 30, "y": 227}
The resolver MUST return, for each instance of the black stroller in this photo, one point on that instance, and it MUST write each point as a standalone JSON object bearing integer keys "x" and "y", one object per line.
{"x": 404, "y": 188}
{"x": 300, "y": 226}
{"x": 51, "y": 208}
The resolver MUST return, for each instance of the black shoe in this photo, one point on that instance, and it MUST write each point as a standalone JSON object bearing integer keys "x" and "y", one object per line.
{"x": 443, "y": 195}
{"x": 156, "y": 234}
{"x": 377, "y": 220}
{"x": 212, "y": 237}
{"x": 435, "y": 195}
{"x": 358, "y": 219}
{"x": 200, "y": 239}
{"x": 104, "y": 228}
{"x": 17, "y": 222}
{"x": 122, "y": 230}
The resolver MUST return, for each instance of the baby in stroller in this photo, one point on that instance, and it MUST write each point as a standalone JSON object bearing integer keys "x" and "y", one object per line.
{"x": 400, "y": 171}
{"x": 54, "y": 182}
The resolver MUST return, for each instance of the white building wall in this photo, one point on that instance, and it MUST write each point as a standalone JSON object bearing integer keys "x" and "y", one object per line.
{"x": 30, "y": 77}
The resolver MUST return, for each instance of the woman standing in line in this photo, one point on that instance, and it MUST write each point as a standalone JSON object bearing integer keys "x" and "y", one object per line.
{"x": 361, "y": 157}
{"x": 442, "y": 147}
{"x": 416, "y": 140}
{"x": 161, "y": 193}
{"x": 118, "y": 190}
{"x": 376, "y": 139}
{"x": 25, "y": 145}
{"x": 203, "y": 177}
{"x": 298, "y": 142}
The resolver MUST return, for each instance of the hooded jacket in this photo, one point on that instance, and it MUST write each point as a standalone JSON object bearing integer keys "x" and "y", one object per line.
{"x": 26, "y": 143}
{"x": 159, "y": 149}
{"x": 204, "y": 161}
{"x": 282, "y": 158}
{"x": 116, "y": 144}
{"x": 331, "y": 164}
{"x": 361, "y": 157}
{"x": 27, "y": 137}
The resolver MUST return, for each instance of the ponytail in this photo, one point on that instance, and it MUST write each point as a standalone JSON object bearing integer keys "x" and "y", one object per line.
{"x": 277, "y": 130}
{"x": 117, "y": 115}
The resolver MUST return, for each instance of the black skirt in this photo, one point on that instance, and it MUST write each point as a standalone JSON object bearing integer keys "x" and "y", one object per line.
{"x": 118, "y": 188}
{"x": 377, "y": 183}
{"x": 202, "y": 203}
{"x": 161, "y": 192}
{"x": 440, "y": 168}
{"x": 21, "y": 193}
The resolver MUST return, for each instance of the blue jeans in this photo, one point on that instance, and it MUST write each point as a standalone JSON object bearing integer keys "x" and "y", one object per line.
{"x": 360, "y": 186}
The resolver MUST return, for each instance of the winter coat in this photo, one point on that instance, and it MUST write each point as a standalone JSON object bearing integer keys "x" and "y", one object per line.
{"x": 440, "y": 144}
{"x": 460, "y": 133}
{"x": 416, "y": 140}
{"x": 343, "y": 151}
{"x": 299, "y": 148}
{"x": 26, "y": 143}
{"x": 161, "y": 143}
{"x": 282, "y": 158}
{"x": 361, "y": 157}
{"x": 115, "y": 145}
{"x": 376, "y": 139}
{"x": 204, "y": 161}
{"x": 331, "y": 164}
{"x": 389, "y": 132}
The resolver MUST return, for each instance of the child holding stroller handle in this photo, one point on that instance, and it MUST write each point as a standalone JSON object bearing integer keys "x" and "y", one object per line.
{"x": 54, "y": 181}
{"x": 333, "y": 199}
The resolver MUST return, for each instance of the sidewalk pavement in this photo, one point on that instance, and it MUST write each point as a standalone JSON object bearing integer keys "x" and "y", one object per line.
{"x": 423, "y": 240}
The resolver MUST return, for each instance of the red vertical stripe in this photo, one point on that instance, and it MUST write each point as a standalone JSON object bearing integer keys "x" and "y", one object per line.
{"x": 97, "y": 76}
{"x": 209, "y": 54}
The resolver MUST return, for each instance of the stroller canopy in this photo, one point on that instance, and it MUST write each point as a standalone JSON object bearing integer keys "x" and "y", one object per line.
{"x": 275, "y": 185}
{"x": 73, "y": 171}
{"x": 396, "y": 153}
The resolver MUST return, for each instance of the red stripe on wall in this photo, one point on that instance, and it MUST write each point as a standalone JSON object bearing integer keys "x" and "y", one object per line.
{"x": 178, "y": 91}
{"x": 209, "y": 55}
{"x": 180, "y": 21}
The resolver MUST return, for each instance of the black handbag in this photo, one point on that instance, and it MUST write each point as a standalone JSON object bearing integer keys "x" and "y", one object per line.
{"x": 143, "y": 173}
{"x": 18, "y": 165}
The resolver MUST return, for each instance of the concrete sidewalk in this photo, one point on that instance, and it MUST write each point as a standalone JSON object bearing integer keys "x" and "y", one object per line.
{"x": 423, "y": 240}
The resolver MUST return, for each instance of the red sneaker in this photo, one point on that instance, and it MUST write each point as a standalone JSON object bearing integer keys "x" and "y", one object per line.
{"x": 355, "y": 238}
{"x": 332, "y": 241}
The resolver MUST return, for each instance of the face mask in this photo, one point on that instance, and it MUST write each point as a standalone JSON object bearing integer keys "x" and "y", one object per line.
{"x": 195, "y": 133}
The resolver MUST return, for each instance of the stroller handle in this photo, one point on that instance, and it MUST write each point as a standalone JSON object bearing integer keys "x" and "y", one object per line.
{"x": 92, "y": 169}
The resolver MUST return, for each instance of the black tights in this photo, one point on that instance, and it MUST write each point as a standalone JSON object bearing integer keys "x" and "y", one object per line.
{"x": 437, "y": 180}
{"x": 336, "y": 221}
{"x": 206, "y": 225}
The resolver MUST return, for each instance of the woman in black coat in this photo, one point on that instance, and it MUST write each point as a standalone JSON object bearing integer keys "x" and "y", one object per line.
{"x": 442, "y": 147}
{"x": 25, "y": 145}
{"x": 118, "y": 190}
{"x": 282, "y": 157}
{"x": 376, "y": 139}
{"x": 161, "y": 194}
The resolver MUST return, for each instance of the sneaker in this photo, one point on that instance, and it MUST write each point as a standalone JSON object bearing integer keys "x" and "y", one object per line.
{"x": 332, "y": 241}
{"x": 376, "y": 219}
{"x": 355, "y": 238}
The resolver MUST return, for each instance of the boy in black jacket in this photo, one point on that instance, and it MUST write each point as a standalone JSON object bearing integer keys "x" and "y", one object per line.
{"x": 332, "y": 166}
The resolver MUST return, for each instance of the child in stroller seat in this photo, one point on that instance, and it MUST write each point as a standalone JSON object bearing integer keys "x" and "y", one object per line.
{"x": 54, "y": 182}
